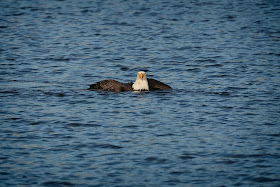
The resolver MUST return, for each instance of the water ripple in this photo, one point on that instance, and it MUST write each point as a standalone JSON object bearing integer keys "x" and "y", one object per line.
{"x": 218, "y": 126}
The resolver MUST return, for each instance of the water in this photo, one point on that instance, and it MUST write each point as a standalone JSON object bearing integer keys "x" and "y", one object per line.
{"x": 218, "y": 126}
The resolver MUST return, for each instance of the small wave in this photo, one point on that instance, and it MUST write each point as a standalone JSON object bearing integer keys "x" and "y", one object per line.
{"x": 55, "y": 94}
{"x": 81, "y": 125}
{"x": 264, "y": 179}
{"x": 186, "y": 156}
{"x": 108, "y": 146}
{"x": 57, "y": 183}
{"x": 155, "y": 160}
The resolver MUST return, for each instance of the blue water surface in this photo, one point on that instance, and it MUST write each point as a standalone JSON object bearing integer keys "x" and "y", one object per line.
{"x": 218, "y": 126}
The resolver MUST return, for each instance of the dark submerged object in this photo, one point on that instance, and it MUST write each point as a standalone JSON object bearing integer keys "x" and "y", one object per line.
{"x": 116, "y": 86}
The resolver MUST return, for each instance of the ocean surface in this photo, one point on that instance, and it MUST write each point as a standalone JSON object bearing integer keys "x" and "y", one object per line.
{"x": 218, "y": 126}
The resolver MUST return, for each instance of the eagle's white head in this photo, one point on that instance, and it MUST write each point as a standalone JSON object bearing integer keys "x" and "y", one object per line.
{"x": 141, "y": 83}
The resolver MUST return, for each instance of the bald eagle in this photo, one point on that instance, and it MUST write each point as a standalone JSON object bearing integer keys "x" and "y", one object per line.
{"x": 142, "y": 83}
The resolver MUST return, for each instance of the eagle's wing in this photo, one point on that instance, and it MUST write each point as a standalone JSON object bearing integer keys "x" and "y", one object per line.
{"x": 157, "y": 85}
{"x": 111, "y": 85}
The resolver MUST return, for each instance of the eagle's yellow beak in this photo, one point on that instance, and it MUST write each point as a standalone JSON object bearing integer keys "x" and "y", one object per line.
{"x": 141, "y": 75}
